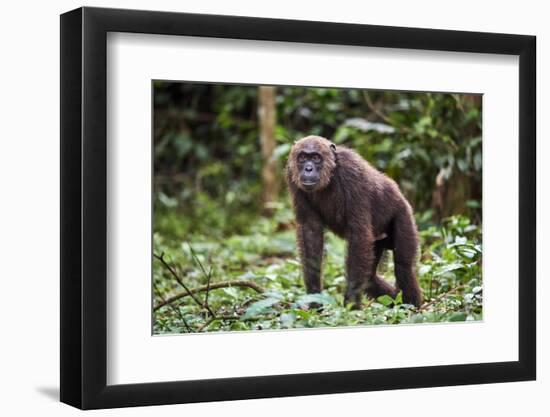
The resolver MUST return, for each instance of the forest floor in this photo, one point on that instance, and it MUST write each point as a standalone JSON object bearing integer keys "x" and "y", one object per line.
{"x": 253, "y": 281}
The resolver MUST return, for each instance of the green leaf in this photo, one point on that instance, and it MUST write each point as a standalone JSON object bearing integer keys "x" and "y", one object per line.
{"x": 385, "y": 300}
{"x": 424, "y": 269}
{"x": 281, "y": 151}
{"x": 459, "y": 316}
{"x": 258, "y": 308}
{"x": 276, "y": 294}
{"x": 399, "y": 298}
{"x": 320, "y": 298}
{"x": 303, "y": 314}
{"x": 169, "y": 202}
{"x": 418, "y": 318}
{"x": 232, "y": 292}
{"x": 287, "y": 320}
{"x": 449, "y": 268}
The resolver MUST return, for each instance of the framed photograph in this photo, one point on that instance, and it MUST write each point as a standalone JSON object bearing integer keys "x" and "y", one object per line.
{"x": 257, "y": 208}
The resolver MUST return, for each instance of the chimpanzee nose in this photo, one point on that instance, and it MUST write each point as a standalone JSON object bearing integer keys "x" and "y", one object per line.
{"x": 309, "y": 168}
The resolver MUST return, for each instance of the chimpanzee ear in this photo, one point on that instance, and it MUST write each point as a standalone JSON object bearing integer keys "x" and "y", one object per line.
{"x": 332, "y": 146}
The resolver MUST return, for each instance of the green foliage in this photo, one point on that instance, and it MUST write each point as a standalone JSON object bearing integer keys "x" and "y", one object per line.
{"x": 207, "y": 153}
{"x": 449, "y": 273}
{"x": 207, "y": 221}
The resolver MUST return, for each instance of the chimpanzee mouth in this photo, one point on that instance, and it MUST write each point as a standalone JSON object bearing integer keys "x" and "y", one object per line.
{"x": 309, "y": 184}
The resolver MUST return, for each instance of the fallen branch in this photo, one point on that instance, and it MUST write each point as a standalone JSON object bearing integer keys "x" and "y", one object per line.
{"x": 213, "y": 319}
{"x": 208, "y": 275}
{"x": 178, "y": 279}
{"x": 209, "y": 278}
{"x": 442, "y": 296}
{"x": 176, "y": 310}
{"x": 212, "y": 286}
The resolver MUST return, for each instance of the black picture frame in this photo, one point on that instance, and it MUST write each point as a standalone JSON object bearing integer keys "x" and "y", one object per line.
{"x": 84, "y": 207}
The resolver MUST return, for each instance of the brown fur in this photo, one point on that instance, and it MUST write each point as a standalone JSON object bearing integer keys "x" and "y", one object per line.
{"x": 365, "y": 207}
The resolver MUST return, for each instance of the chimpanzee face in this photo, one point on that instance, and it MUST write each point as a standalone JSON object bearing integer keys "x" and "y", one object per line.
{"x": 310, "y": 164}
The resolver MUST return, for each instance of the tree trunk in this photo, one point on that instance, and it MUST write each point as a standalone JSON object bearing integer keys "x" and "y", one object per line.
{"x": 267, "y": 114}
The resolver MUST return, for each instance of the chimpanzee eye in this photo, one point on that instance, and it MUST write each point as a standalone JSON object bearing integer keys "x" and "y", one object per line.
{"x": 302, "y": 158}
{"x": 316, "y": 158}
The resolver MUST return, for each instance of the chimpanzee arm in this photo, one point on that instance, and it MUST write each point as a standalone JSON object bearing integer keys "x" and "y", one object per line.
{"x": 310, "y": 240}
{"x": 359, "y": 263}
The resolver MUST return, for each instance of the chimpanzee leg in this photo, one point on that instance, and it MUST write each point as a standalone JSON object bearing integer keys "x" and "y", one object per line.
{"x": 377, "y": 286}
{"x": 359, "y": 265}
{"x": 405, "y": 239}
